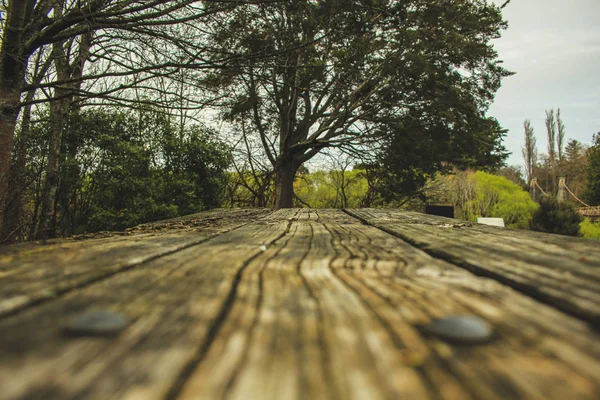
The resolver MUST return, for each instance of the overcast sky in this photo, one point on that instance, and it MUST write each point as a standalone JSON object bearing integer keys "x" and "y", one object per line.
{"x": 554, "y": 48}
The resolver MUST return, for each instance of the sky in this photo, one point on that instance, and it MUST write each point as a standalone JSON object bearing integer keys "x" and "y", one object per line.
{"x": 554, "y": 48}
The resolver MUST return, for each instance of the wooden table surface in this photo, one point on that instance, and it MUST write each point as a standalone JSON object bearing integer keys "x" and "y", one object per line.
{"x": 302, "y": 304}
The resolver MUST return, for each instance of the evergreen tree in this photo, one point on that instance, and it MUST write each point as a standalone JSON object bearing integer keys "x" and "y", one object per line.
{"x": 592, "y": 194}
{"x": 574, "y": 166}
{"x": 555, "y": 217}
{"x": 418, "y": 75}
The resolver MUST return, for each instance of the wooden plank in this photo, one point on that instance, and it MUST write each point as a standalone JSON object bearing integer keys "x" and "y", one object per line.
{"x": 328, "y": 308}
{"x": 558, "y": 270}
{"x": 334, "y": 312}
{"x": 177, "y": 303}
{"x": 33, "y": 273}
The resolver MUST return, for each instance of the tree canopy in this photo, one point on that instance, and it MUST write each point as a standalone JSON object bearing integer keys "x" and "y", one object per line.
{"x": 361, "y": 75}
{"x": 592, "y": 194}
{"x": 118, "y": 110}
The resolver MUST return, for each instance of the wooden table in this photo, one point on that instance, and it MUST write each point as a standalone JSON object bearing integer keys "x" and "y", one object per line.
{"x": 302, "y": 304}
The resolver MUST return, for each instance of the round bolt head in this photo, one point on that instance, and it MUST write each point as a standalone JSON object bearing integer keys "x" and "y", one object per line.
{"x": 97, "y": 323}
{"x": 463, "y": 329}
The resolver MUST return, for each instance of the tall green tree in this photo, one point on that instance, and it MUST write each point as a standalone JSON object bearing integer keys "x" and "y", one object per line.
{"x": 560, "y": 138}
{"x": 347, "y": 73}
{"x": 592, "y": 193}
{"x": 529, "y": 151}
{"x": 551, "y": 136}
{"x": 574, "y": 166}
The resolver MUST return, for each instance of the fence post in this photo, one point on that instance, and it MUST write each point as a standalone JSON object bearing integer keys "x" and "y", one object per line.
{"x": 561, "y": 196}
{"x": 533, "y": 189}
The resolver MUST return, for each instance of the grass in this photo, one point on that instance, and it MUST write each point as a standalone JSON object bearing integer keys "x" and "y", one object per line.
{"x": 589, "y": 229}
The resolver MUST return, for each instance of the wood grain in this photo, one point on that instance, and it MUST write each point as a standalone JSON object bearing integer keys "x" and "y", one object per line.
{"x": 297, "y": 304}
{"x": 558, "y": 270}
{"x": 177, "y": 303}
{"x": 335, "y": 312}
{"x": 33, "y": 273}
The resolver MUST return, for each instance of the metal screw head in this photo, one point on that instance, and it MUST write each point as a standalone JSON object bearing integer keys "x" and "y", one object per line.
{"x": 97, "y": 323}
{"x": 463, "y": 329}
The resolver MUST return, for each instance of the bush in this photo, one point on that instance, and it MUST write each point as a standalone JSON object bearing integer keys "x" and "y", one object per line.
{"x": 589, "y": 229}
{"x": 486, "y": 195}
{"x": 555, "y": 217}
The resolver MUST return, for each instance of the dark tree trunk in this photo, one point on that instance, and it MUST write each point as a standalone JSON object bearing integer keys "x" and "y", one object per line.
{"x": 285, "y": 172}
{"x": 13, "y": 64}
{"x": 59, "y": 113}
{"x": 17, "y": 184}
{"x": 8, "y": 120}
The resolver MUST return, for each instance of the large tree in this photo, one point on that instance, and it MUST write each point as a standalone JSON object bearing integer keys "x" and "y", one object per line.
{"x": 75, "y": 52}
{"x": 30, "y": 26}
{"x": 352, "y": 73}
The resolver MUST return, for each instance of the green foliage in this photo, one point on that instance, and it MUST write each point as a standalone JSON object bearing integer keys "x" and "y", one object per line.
{"x": 134, "y": 169}
{"x": 513, "y": 173}
{"x": 555, "y": 217}
{"x": 413, "y": 79}
{"x": 592, "y": 194}
{"x": 331, "y": 189}
{"x": 589, "y": 229}
{"x": 253, "y": 188}
{"x": 496, "y": 196}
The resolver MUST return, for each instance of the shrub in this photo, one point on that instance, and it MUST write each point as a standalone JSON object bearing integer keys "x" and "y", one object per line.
{"x": 589, "y": 229}
{"x": 496, "y": 196}
{"x": 555, "y": 217}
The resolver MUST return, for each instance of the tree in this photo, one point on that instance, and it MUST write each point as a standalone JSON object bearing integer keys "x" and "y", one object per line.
{"x": 148, "y": 171}
{"x": 560, "y": 138}
{"x": 331, "y": 189}
{"x": 555, "y": 217}
{"x": 480, "y": 194}
{"x": 119, "y": 169}
{"x": 32, "y": 25}
{"x": 19, "y": 179}
{"x": 529, "y": 151}
{"x": 69, "y": 59}
{"x": 339, "y": 73}
{"x": 513, "y": 173}
{"x": 592, "y": 193}
{"x": 574, "y": 166}
{"x": 551, "y": 135}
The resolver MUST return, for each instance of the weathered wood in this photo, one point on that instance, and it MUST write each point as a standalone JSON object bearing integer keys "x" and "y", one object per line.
{"x": 558, "y": 270}
{"x": 34, "y": 273}
{"x": 177, "y": 303}
{"x": 338, "y": 313}
{"x": 297, "y": 304}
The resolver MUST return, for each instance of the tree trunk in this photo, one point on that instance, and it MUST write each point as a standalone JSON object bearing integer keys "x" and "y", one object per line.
{"x": 16, "y": 182}
{"x": 8, "y": 120}
{"x": 285, "y": 173}
{"x": 59, "y": 113}
{"x": 13, "y": 64}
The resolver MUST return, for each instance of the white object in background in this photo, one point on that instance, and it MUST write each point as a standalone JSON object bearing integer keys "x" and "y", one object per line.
{"x": 491, "y": 221}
